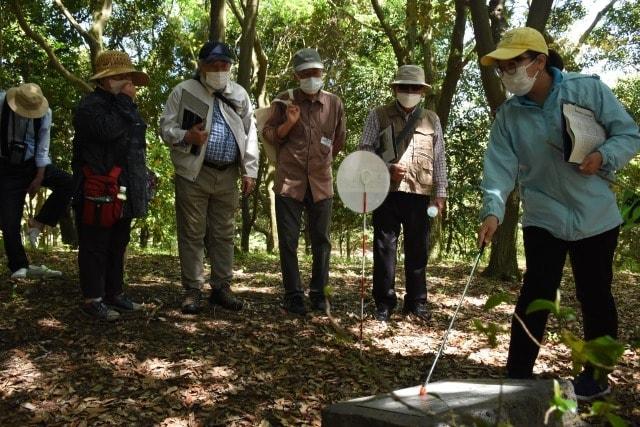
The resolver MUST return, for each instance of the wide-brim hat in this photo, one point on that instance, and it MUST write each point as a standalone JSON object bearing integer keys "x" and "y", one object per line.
{"x": 112, "y": 62}
{"x": 27, "y": 101}
{"x": 514, "y": 43}
{"x": 409, "y": 75}
{"x": 307, "y": 58}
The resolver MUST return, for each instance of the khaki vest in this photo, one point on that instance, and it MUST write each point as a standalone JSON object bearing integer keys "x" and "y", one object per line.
{"x": 418, "y": 158}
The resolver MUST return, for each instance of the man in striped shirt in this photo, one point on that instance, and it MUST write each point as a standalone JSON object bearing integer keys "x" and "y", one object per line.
{"x": 409, "y": 139}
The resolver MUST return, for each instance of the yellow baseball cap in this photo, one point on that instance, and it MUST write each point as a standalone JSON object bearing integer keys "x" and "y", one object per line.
{"x": 516, "y": 42}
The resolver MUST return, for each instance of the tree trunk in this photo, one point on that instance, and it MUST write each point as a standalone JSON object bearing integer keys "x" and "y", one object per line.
{"x": 503, "y": 263}
{"x": 539, "y": 12}
{"x": 246, "y": 44}
{"x": 218, "y": 21}
{"x": 272, "y": 204}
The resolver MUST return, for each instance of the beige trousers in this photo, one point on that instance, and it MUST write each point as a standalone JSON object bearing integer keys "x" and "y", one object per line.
{"x": 207, "y": 205}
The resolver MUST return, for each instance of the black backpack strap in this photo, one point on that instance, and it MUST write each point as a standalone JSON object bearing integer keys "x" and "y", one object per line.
{"x": 37, "y": 124}
{"x": 404, "y": 137}
{"x": 4, "y": 128}
{"x": 224, "y": 99}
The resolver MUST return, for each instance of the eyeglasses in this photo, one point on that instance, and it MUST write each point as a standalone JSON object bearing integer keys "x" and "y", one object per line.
{"x": 509, "y": 67}
{"x": 409, "y": 88}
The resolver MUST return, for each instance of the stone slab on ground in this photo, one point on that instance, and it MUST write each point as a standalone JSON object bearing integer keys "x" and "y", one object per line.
{"x": 454, "y": 403}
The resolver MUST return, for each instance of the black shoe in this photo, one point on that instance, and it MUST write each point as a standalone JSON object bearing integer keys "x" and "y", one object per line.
{"x": 419, "y": 310}
{"x": 122, "y": 303}
{"x": 224, "y": 297}
{"x": 192, "y": 303}
{"x": 99, "y": 311}
{"x": 382, "y": 314}
{"x": 318, "y": 305}
{"x": 295, "y": 305}
{"x": 588, "y": 388}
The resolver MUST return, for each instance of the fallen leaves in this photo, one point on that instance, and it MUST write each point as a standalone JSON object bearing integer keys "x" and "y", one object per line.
{"x": 260, "y": 367}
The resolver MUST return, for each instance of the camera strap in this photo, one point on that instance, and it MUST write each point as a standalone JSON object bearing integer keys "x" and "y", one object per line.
{"x": 7, "y": 114}
{"x": 4, "y": 129}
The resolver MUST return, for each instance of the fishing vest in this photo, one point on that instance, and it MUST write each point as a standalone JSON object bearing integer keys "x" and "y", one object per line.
{"x": 418, "y": 157}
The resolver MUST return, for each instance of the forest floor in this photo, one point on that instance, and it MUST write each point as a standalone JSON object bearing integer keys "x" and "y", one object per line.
{"x": 259, "y": 367}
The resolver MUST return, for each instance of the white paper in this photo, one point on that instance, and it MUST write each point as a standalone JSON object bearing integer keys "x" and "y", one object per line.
{"x": 584, "y": 130}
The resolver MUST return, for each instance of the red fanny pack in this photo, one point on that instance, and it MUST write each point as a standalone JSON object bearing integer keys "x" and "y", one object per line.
{"x": 101, "y": 207}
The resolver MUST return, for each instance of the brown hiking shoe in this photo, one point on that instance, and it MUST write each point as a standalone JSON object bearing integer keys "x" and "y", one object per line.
{"x": 223, "y": 296}
{"x": 192, "y": 303}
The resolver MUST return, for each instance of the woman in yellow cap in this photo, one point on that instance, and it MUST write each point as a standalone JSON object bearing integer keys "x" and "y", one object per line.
{"x": 567, "y": 206}
{"x": 109, "y": 167}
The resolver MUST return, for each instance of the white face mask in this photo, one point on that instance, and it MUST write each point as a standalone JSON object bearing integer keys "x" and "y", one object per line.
{"x": 408, "y": 100}
{"x": 115, "y": 86}
{"x": 519, "y": 83}
{"x": 311, "y": 85}
{"x": 217, "y": 80}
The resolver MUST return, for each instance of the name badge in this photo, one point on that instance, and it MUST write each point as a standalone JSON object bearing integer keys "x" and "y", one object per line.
{"x": 326, "y": 141}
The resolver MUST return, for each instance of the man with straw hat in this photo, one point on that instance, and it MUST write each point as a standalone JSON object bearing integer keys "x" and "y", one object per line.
{"x": 25, "y": 166}
{"x": 409, "y": 138}
{"x": 112, "y": 182}
{"x": 208, "y": 125}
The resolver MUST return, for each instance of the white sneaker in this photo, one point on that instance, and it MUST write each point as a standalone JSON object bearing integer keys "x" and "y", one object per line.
{"x": 19, "y": 274}
{"x": 42, "y": 271}
{"x": 33, "y": 235}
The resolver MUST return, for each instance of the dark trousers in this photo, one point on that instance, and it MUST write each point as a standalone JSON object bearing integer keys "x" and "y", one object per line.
{"x": 409, "y": 211}
{"x": 591, "y": 262}
{"x": 14, "y": 181}
{"x": 101, "y": 257}
{"x": 288, "y": 215}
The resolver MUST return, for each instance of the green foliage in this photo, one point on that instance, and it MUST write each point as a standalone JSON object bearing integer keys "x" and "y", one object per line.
{"x": 617, "y": 39}
{"x": 606, "y": 410}
{"x": 497, "y": 299}
{"x": 562, "y": 313}
{"x": 489, "y": 330}
{"x": 559, "y": 405}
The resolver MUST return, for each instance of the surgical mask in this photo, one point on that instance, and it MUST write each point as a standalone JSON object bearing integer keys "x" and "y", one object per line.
{"x": 408, "y": 100}
{"x": 311, "y": 85}
{"x": 115, "y": 86}
{"x": 519, "y": 83}
{"x": 217, "y": 80}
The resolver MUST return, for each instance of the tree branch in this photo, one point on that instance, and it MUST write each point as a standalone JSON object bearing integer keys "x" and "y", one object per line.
{"x": 84, "y": 33}
{"x": 351, "y": 16}
{"x": 597, "y": 19}
{"x": 36, "y": 37}
{"x": 395, "y": 43}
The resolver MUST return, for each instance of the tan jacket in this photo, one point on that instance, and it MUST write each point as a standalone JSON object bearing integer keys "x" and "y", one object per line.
{"x": 418, "y": 157}
{"x": 305, "y": 155}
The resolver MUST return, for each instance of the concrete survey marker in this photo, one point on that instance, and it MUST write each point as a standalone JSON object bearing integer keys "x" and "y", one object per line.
{"x": 454, "y": 403}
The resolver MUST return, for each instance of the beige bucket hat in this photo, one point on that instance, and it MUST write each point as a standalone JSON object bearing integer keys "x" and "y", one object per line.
{"x": 27, "y": 101}
{"x": 113, "y": 62}
{"x": 409, "y": 75}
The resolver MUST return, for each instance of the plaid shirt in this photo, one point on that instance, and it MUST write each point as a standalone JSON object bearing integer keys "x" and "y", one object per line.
{"x": 221, "y": 146}
{"x": 371, "y": 141}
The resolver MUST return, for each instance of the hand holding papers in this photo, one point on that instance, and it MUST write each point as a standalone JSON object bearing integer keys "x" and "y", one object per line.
{"x": 192, "y": 111}
{"x": 584, "y": 133}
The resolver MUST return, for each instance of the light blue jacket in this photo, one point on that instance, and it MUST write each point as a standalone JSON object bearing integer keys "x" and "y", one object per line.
{"x": 25, "y": 133}
{"x": 526, "y": 143}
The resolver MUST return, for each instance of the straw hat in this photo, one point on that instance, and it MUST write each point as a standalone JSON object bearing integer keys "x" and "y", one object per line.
{"x": 27, "y": 101}
{"x": 112, "y": 62}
